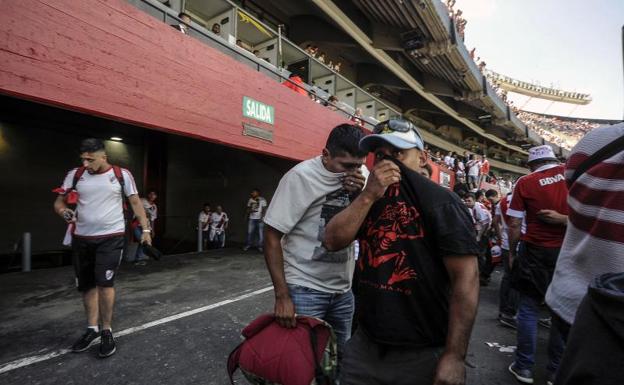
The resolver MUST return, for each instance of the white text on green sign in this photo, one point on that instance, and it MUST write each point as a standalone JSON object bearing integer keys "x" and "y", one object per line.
{"x": 257, "y": 110}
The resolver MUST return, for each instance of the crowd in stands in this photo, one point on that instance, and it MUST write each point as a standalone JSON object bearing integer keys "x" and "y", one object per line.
{"x": 313, "y": 51}
{"x": 458, "y": 19}
{"x": 470, "y": 169}
{"x": 295, "y": 82}
{"x": 563, "y": 132}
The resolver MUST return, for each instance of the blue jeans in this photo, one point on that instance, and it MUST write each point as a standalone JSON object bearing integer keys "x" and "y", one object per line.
{"x": 217, "y": 240}
{"x": 139, "y": 255}
{"x": 528, "y": 314}
{"x": 334, "y": 308}
{"x": 253, "y": 226}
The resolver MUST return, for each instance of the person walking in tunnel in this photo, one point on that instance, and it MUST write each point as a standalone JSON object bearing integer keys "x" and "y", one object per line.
{"x": 98, "y": 189}
{"x": 256, "y": 206}
{"x": 219, "y": 222}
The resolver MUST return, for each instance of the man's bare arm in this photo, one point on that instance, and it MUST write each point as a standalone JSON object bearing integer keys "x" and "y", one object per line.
{"x": 59, "y": 205}
{"x": 464, "y": 300}
{"x": 513, "y": 232}
{"x": 498, "y": 226}
{"x": 343, "y": 227}
{"x": 552, "y": 217}
{"x": 274, "y": 258}
{"x": 139, "y": 211}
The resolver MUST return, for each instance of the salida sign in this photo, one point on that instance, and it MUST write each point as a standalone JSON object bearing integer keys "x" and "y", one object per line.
{"x": 259, "y": 111}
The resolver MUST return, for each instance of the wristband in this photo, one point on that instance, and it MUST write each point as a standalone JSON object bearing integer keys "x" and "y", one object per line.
{"x": 147, "y": 231}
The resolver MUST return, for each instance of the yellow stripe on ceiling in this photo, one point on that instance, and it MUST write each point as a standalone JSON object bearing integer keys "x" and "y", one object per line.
{"x": 247, "y": 19}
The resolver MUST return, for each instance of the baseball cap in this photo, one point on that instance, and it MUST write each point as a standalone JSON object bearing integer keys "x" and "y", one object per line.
{"x": 396, "y": 132}
{"x": 544, "y": 152}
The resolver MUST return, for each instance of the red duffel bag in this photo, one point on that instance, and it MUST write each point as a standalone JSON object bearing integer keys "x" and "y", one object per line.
{"x": 271, "y": 354}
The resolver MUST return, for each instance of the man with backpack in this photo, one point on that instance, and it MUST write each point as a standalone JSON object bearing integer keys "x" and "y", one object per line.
{"x": 98, "y": 190}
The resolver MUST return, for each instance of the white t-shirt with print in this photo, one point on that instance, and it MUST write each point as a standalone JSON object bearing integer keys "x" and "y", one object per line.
{"x": 99, "y": 212}
{"x": 474, "y": 167}
{"x": 257, "y": 206}
{"x": 218, "y": 221}
{"x": 306, "y": 199}
{"x": 205, "y": 218}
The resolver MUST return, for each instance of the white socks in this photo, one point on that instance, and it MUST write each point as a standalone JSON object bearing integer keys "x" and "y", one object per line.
{"x": 95, "y": 328}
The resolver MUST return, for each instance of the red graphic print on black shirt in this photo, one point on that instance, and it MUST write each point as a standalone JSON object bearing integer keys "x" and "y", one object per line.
{"x": 398, "y": 222}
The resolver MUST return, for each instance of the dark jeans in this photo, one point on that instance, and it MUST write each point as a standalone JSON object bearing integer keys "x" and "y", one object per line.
{"x": 485, "y": 258}
{"x": 561, "y": 325}
{"x": 508, "y": 299}
{"x": 366, "y": 362}
{"x": 206, "y": 240}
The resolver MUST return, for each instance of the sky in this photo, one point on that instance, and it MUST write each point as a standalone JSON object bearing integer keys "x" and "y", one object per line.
{"x": 576, "y": 45}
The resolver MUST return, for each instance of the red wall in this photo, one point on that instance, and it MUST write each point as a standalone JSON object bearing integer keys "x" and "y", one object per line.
{"x": 109, "y": 59}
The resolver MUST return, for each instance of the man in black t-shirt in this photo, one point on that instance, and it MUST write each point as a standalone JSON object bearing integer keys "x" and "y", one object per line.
{"x": 418, "y": 281}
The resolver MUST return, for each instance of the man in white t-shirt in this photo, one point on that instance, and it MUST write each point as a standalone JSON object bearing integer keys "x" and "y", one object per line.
{"x": 449, "y": 159}
{"x": 218, "y": 224}
{"x": 474, "y": 169}
{"x": 98, "y": 189}
{"x": 308, "y": 279}
{"x": 204, "y": 223}
{"x": 255, "y": 227}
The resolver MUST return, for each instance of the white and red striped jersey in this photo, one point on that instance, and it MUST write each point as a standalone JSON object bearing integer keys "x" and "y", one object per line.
{"x": 594, "y": 241}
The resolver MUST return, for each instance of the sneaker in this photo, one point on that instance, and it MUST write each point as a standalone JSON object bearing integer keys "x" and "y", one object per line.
{"x": 545, "y": 322}
{"x": 260, "y": 249}
{"x": 550, "y": 378}
{"x": 245, "y": 248}
{"x": 140, "y": 263}
{"x": 507, "y": 320}
{"x": 523, "y": 375}
{"x": 107, "y": 344}
{"x": 83, "y": 343}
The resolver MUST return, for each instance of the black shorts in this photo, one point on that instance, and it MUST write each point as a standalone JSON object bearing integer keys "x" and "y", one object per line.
{"x": 96, "y": 261}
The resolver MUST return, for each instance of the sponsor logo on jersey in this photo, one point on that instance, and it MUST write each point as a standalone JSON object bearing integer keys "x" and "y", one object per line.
{"x": 551, "y": 179}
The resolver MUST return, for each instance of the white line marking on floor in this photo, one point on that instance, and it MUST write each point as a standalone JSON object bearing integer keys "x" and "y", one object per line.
{"x": 20, "y": 363}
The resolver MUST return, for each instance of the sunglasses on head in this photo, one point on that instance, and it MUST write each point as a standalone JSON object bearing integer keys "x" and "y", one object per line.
{"x": 395, "y": 125}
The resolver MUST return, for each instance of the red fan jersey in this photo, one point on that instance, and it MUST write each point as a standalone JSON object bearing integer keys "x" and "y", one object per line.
{"x": 545, "y": 188}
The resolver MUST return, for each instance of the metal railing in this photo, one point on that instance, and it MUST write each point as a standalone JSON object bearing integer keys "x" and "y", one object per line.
{"x": 278, "y": 73}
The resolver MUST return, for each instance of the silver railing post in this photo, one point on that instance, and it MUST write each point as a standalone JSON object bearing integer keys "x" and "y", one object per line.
{"x": 26, "y": 252}
{"x": 200, "y": 241}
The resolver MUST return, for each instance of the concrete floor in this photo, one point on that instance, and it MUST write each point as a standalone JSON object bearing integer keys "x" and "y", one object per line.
{"x": 214, "y": 295}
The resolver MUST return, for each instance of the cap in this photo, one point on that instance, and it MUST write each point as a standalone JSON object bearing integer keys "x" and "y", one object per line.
{"x": 403, "y": 140}
{"x": 544, "y": 152}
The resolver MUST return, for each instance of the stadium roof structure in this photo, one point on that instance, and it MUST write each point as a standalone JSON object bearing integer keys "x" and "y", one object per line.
{"x": 537, "y": 91}
{"x": 418, "y": 43}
